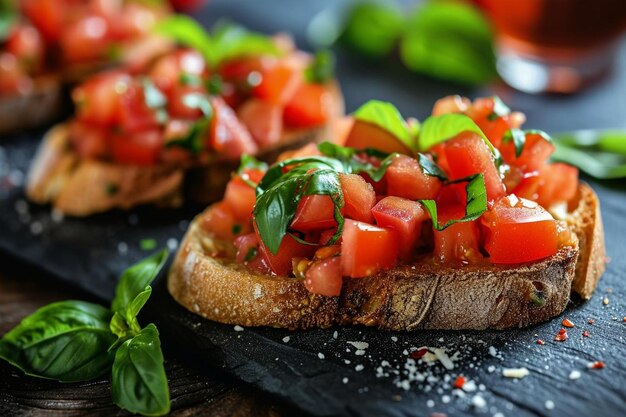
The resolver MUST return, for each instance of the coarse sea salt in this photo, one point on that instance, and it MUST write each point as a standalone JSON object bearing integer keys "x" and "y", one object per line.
{"x": 515, "y": 372}
{"x": 360, "y": 345}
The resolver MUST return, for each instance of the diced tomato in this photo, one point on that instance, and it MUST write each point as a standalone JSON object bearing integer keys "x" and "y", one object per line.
{"x": 528, "y": 186}
{"x": 451, "y": 104}
{"x": 366, "y": 249}
{"x": 90, "y": 142}
{"x": 458, "y": 243}
{"x": 85, "y": 39}
{"x": 176, "y": 105}
{"x": 406, "y": 179}
{"x": 324, "y": 277}
{"x": 439, "y": 156}
{"x": 137, "y": 148}
{"x": 264, "y": 121}
{"x": 134, "y": 20}
{"x": 170, "y": 69}
{"x": 403, "y": 216}
{"x": 13, "y": 79}
{"x": 220, "y": 221}
{"x": 240, "y": 197}
{"x": 453, "y": 195}
{"x": 340, "y": 128}
{"x": 326, "y": 235}
{"x": 466, "y": 155}
{"x": 315, "y": 212}
{"x": 309, "y": 106}
{"x": 494, "y": 128}
{"x": 133, "y": 113}
{"x": 27, "y": 45}
{"x": 359, "y": 197}
{"x": 99, "y": 99}
{"x": 278, "y": 83}
{"x": 281, "y": 263}
{"x": 535, "y": 154}
{"x": 238, "y": 70}
{"x": 519, "y": 230}
{"x": 47, "y": 15}
{"x": 367, "y": 135}
{"x": 246, "y": 246}
{"x": 228, "y": 136}
{"x": 559, "y": 183}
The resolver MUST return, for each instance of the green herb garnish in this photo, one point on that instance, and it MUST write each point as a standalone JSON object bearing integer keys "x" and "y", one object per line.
{"x": 8, "y": 17}
{"x": 322, "y": 69}
{"x": 147, "y": 244}
{"x": 386, "y": 116}
{"x": 73, "y": 341}
{"x": 111, "y": 189}
{"x": 499, "y": 109}
{"x": 438, "y": 129}
{"x": 249, "y": 162}
{"x": 191, "y": 80}
{"x": 194, "y": 140}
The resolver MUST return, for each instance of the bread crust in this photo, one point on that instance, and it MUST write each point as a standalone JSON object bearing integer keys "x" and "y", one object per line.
{"x": 79, "y": 187}
{"x": 421, "y": 296}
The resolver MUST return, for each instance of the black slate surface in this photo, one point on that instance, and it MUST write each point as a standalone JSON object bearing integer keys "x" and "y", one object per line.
{"x": 90, "y": 253}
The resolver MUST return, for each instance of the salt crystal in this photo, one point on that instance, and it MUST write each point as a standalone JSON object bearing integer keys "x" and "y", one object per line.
{"x": 359, "y": 352}
{"x": 515, "y": 372}
{"x": 394, "y": 339}
{"x": 478, "y": 401}
{"x": 335, "y": 334}
{"x": 321, "y": 355}
{"x": 286, "y": 339}
{"x": 445, "y": 399}
{"x": 469, "y": 386}
{"x": 238, "y": 328}
{"x": 549, "y": 405}
{"x": 430, "y": 403}
{"x": 360, "y": 345}
{"x": 359, "y": 368}
{"x": 345, "y": 380}
{"x": 574, "y": 375}
{"x": 493, "y": 352}
{"x": 172, "y": 243}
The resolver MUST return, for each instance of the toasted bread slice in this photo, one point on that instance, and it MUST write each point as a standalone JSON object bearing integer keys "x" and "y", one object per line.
{"x": 424, "y": 295}
{"x": 79, "y": 187}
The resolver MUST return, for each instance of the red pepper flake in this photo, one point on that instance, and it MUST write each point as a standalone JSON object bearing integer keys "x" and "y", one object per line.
{"x": 591, "y": 321}
{"x": 561, "y": 336}
{"x": 596, "y": 365}
{"x": 459, "y": 382}
{"x": 567, "y": 323}
{"x": 585, "y": 333}
{"x": 540, "y": 342}
{"x": 417, "y": 354}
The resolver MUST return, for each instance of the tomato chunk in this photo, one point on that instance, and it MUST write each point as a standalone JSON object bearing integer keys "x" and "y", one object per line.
{"x": 458, "y": 243}
{"x": 98, "y": 100}
{"x": 367, "y": 135}
{"x": 228, "y": 136}
{"x": 240, "y": 197}
{"x": 247, "y": 247}
{"x": 535, "y": 154}
{"x": 518, "y": 230}
{"x": 366, "y": 249}
{"x": 281, "y": 263}
{"x": 264, "y": 120}
{"x": 309, "y": 106}
{"x": 467, "y": 154}
{"x": 406, "y": 179}
{"x": 404, "y": 216}
{"x": 220, "y": 221}
{"x": 278, "y": 83}
{"x": 558, "y": 184}
{"x": 324, "y": 277}
{"x": 359, "y": 197}
{"x": 89, "y": 142}
{"x": 315, "y": 212}
{"x": 137, "y": 148}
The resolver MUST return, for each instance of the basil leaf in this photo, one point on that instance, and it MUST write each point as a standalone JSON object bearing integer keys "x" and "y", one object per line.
{"x": 138, "y": 380}
{"x": 233, "y": 41}
{"x": 499, "y": 109}
{"x": 191, "y": 80}
{"x": 372, "y": 28}
{"x": 601, "y": 154}
{"x": 155, "y": 99}
{"x": 519, "y": 140}
{"x": 437, "y": 129}
{"x": 352, "y": 165}
{"x": 322, "y": 69}
{"x": 430, "y": 168}
{"x": 186, "y": 31}
{"x": 133, "y": 289}
{"x": 8, "y": 16}
{"x": 326, "y": 182}
{"x": 303, "y": 165}
{"x": 450, "y": 41}
{"x": 249, "y": 162}
{"x": 386, "y": 116}
{"x": 66, "y": 341}
{"x": 475, "y": 207}
{"x": 199, "y": 101}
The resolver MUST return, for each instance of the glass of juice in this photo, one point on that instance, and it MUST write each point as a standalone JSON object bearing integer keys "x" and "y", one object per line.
{"x": 556, "y": 46}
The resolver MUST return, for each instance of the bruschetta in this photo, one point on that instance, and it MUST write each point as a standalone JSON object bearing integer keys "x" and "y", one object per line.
{"x": 179, "y": 128}
{"x": 458, "y": 223}
{"x": 48, "y": 44}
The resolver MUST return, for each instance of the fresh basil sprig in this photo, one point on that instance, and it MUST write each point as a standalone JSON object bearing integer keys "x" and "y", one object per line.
{"x": 322, "y": 69}
{"x": 476, "y": 202}
{"x": 386, "y": 116}
{"x": 438, "y": 129}
{"x": 78, "y": 341}
{"x": 518, "y": 136}
{"x": 226, "y": 42}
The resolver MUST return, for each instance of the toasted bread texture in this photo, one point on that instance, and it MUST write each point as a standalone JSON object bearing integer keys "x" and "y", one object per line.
{"x": 81, "y": 187}
{"x": 419, "y": 296}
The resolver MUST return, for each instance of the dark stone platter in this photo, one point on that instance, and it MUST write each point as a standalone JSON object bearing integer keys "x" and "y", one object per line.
{"x": 319, "y": 371}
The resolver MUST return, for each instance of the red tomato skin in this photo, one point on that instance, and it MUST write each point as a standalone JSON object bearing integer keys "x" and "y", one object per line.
{"x": 367, "y": 135}
{"x": 168, "y": 70}
{"x": 309, "y": 106}
{"x": 467, "y": 154}
{"x": 558, "y": 183}
{"x": 13, "y": 79}
{"x": 229, "y": 136}
{"x": 405, "y": 217}
{"x": 85, "y": 39}
{"x": 517, "y": 231}
{"x": 134, "y": 115}
{"x": 281, "y": 263}
{"x": 240, "y": 197}
{"x": 405, "y": 179}
{"x": 89, "y": 142}
{"x": 458, "y": 243}
{"x": 263, "y": 120}
{"x": 26, "y": 43}
{"x": 366, "y": 249}
{"x": 47, "y": 16}
{"x": 359, "y": 197}
{"x": 534, "y": 156}
{"x": 176, "y": 106}
{"x": 98, "y": 100}
{"x": 315, "y": 212}
{"x": 137, "y": 148}
{"x": 220, "y": 221}
{"x": 244, "y": 244}
{"x": 278, "y": 84}
{"x": 324, "y": 277}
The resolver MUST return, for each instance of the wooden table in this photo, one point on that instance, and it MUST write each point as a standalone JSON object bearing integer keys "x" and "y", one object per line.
{"x": 193, "y": 391}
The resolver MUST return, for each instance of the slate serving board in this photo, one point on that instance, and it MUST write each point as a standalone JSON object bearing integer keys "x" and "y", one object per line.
{"x": 309, "y": 369}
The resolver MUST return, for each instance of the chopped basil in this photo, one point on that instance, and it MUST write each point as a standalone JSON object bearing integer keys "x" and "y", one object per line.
{"x": 215, "y": 84}
{"x": 386, "y": 116}
{"x": 194, "y": 140}
{"x": 438, "y": 129}
{"x": 475, "y": 207}
{"x": 147, "y": 244}
{"x": 518, "y": 136}
{"x": 8, "y": 17}
{"x": 191, "y": 80}
{"x": 252, "y": 253}
{"x": 322, "y": 69}
{"x": 430, "y": 168}
{"x": 236, "y": 229}
{"x": 355, "y": 165}
{"x": 499, "y": 109}
{"x": 199, "y": 101}
{"x": 249, "y": 162}
{"x": 155, "y": 99}
{"x": 112, "y": 189}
